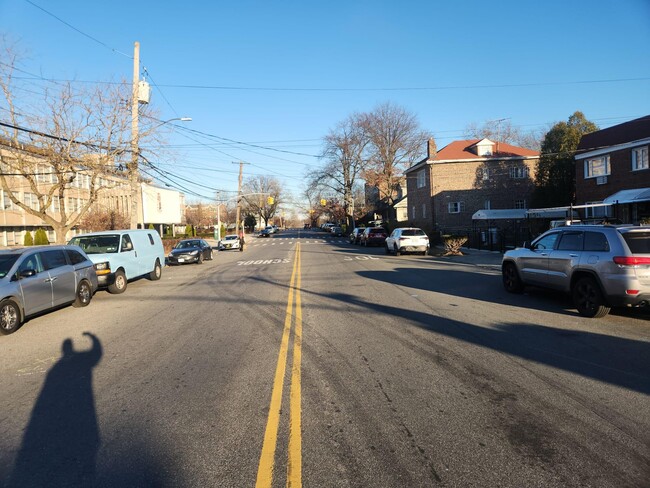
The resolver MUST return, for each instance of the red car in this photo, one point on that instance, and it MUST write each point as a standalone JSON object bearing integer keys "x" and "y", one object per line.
{"x": 373, "y": 236}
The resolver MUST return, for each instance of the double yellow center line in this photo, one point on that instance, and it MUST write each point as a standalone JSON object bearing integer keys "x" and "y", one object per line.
{"x": 267, "y": 458}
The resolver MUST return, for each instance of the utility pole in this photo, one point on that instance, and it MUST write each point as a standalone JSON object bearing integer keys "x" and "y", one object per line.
{"x": 133, "y": 169}
{"x": 241, "y": 174}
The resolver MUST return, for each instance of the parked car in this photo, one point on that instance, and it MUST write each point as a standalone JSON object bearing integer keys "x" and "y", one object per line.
{"x": 601, "y": 266}
{"x": 40, "y": 278}
{"x": 190, "y": 251}
{"x": 327, "y": 226}
{"x": 373, "y": 236}
{"x": 265, "y": 233}
{"x": 407, "y": 239}
{"x": 270, "y": 228}
{"x": 122, "y": 255}
{"x": 336, "y": 231}
{"x": 231, "y": 241}
{"x": 355, "y": 236}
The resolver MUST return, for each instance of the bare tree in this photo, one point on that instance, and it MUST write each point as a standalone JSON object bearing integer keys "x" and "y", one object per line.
{"x": 72, "y": 146}
{"x": 343, "y": 153}
{"x": 257, "y": 191}
{"x": 502, "y": 130}
{"x": 395, "y": 142}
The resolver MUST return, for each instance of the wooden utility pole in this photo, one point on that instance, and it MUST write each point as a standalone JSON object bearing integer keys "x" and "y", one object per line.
{"x": 241, "y": 174}
{"x": 133, "y": 169}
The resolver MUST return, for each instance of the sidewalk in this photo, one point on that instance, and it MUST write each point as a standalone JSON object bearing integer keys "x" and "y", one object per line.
{"x": 470, "y": 256}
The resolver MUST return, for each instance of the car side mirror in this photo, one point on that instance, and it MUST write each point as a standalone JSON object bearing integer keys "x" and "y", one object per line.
{"x": 26, "y": 273}
{"x": 527, "y": 245}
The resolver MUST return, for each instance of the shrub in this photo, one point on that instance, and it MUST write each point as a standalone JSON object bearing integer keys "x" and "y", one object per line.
{"x": 29, "y": 240}
{"x": 453, "y": 244}
{"x": 40, "y": 238}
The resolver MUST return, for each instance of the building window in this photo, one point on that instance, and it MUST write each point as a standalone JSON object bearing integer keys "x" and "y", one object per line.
{"x": 421, "y": 181}
{"x": 640, "y": 158}
{"x": 597, "y": 167}
{"x": 6, "y": 201}
{"x": 456, "y": 207}
{"x": 159, "y": 201}
{"x": 424, "y": 211}
{"x": 519, "y": 172}
{"x": 520, "y": 204}
{"x": 596, "y": 212}
{"x": 487, "y": 205}
{"x": 413, "y": 212}
{"x": 485, "y": 174}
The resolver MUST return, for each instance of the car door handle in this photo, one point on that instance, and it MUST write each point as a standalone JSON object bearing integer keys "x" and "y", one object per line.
{"x": 50, "y": 280}
{"x": 573, "y": 255}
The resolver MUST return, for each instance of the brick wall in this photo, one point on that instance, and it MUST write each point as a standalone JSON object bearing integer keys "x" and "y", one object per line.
{"x": 621, "y": 178}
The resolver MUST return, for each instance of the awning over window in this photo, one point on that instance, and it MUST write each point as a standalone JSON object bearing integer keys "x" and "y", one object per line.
{"x": 629, "y": 196}
{"x": 507, "y": 214}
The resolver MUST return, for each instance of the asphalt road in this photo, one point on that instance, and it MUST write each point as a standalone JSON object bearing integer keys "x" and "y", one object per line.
{"x": 307, "y": 361}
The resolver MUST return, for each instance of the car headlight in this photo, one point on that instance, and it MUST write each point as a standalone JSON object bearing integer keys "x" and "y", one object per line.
{"x": 103, "y": 268}
{"x": 194, "y": 253}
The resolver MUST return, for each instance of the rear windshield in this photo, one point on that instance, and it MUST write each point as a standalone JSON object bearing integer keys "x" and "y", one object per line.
{"x": 638, "y": 242}
{"x": 413, "y": 232}
{"x": 97, "y": 244}
{"x": 378, "y": 230}
{"x": 230, "y": 238}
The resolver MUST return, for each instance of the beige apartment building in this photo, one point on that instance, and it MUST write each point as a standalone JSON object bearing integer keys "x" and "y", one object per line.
{"x": 161, "y": 207}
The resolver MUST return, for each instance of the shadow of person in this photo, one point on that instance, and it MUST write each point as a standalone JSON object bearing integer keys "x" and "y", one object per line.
{"x": 62, "y": 438}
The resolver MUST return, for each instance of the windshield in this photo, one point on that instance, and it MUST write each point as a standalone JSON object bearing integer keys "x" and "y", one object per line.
{"x": 6, "y": 262}
{"x": 230, "y": 238}
{"x": 186, "y": 244}
{"x": 97, "y": 244}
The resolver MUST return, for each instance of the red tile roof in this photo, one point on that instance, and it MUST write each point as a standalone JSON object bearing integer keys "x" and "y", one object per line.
{"x": 460, "y": 150}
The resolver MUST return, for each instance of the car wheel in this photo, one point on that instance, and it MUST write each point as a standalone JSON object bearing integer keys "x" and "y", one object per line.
{"x": 387, "y": 249}
{"x": 84, "y": 294}
{"x": 10, "y": 319}
{"x": 200, "y": 260}
{"x": 397, "y": 250}
{"x": 210, "y": 255}
{"x": 156, "y": 273}
{"x": 511, "y": 281}
{"x": 588, "y": 298}
{"x": 119, "y": 285}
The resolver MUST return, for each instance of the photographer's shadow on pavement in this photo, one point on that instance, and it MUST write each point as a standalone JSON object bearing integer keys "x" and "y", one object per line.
{"x": 61, "y": 441}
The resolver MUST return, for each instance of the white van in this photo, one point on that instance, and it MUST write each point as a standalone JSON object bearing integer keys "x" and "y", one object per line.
{"x": 121, "y": 255}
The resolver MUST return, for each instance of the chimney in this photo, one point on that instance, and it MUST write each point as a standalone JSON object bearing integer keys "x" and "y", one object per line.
{"x": 431, "y": 148}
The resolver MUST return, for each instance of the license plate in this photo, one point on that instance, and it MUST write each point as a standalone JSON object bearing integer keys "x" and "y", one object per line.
{"x": 181, "y": 260}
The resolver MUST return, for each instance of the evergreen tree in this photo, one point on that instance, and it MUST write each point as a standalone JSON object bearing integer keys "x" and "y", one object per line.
{"x": 40, "y": 238}
{"x": 555, "y": 180}
{"x": 29, "y": 240}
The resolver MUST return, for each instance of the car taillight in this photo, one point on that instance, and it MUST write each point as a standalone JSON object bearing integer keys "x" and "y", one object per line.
{"x": 631, "y": 261}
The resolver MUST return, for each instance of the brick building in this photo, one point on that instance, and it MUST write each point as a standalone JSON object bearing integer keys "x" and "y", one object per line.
{"x": 448, "y": 187}
{"x": 612, "y": 167}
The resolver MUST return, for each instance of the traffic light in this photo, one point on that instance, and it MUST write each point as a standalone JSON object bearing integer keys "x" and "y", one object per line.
{"x": 270, "y": 200}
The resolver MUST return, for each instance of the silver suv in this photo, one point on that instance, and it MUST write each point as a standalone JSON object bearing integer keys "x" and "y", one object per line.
{"x": 602, "y": 266}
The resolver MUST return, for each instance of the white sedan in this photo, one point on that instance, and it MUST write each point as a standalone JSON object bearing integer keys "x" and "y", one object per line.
{"x": 230, "y": 241}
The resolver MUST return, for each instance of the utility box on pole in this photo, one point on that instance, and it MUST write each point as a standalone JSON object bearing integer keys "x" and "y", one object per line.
{"x": 144, "y": 92}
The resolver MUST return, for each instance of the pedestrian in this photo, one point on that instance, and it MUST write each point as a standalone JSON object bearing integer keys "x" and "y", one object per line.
{"x": 241, "y": 242}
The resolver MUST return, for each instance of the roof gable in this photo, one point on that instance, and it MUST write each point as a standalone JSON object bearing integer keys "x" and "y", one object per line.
{"x": 462, "y": 150}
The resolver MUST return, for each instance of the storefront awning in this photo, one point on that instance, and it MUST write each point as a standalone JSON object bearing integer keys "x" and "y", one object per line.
{"x": 629, "y": 196}
{"x": 504, "y": 214}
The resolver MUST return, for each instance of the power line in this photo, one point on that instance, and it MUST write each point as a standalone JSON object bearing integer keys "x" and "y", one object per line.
{"x": 373, "y": 89}
{"x": 79, "y": 31}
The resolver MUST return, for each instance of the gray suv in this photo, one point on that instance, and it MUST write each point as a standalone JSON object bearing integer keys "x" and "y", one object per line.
{"x": 41, "y": 278}
{"x": 601, "y": 266}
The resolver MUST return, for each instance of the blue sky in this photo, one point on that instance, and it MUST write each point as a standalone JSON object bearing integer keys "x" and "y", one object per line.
{"x": 281, "y": 74}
